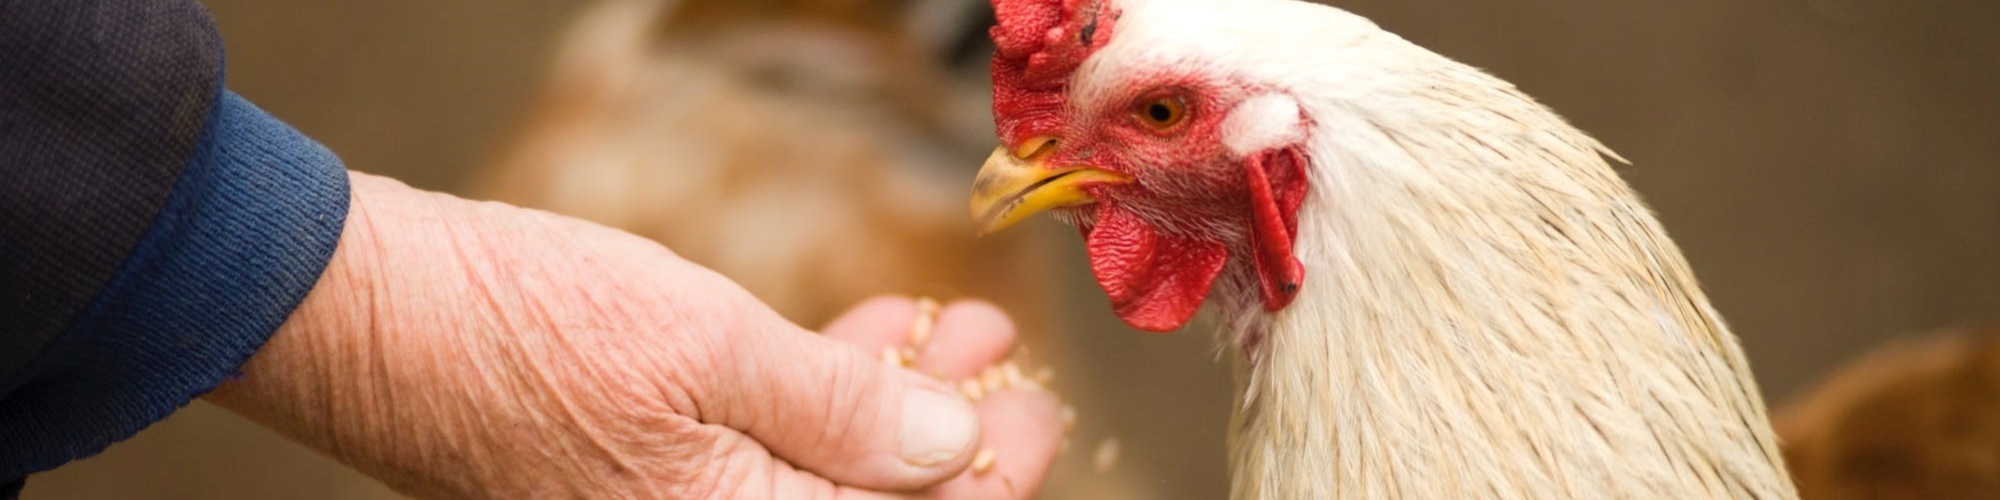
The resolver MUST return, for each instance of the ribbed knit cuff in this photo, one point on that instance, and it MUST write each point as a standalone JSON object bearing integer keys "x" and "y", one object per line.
{"x": 244, "y": 234}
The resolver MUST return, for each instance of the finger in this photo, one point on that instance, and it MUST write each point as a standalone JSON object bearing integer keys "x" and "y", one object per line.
{"x": 969, "y": 336}
{"x": 1024, "y": 431}
{"x": 875, "y": 324}
{"x": 740, "y": 467}
{"x": 1021, "y": 462}
{"x": 835, "y": 410}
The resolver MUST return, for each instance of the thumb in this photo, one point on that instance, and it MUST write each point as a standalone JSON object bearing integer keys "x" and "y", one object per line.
{"x": 840, "y": 412}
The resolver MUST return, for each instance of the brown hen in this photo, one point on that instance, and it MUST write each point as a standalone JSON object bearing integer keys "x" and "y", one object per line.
{"x": 1914, "y": 419}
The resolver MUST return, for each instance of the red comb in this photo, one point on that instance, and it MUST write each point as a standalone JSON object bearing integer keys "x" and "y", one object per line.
{"x": 1038, "y": 44}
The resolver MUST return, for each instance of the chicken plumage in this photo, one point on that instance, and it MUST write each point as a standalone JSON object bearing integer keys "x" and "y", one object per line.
{"x": 1437, "y": 287}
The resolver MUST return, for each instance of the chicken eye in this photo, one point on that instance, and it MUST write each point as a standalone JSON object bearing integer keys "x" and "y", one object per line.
{"x": 1162, "y": 113}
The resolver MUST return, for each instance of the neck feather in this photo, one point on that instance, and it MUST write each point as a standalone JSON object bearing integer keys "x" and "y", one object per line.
{"x": 1488, "y": 312}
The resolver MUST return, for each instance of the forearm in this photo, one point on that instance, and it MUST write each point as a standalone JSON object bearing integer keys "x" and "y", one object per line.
{"x": 325, "y": 379}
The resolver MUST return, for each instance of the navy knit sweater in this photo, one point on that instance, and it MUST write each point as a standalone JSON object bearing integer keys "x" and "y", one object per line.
{"x": 155, "y": 228}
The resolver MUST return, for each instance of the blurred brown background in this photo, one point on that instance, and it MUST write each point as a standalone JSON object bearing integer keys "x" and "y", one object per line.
{"x": 1831, "y": 167}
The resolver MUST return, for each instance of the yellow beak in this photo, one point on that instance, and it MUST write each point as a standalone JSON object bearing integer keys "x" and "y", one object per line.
{"x": 1016, "y": 184}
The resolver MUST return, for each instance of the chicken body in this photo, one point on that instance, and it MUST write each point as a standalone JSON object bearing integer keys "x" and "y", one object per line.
{"x": 1480, "y": 307}
{"x": 1491, "y": 312}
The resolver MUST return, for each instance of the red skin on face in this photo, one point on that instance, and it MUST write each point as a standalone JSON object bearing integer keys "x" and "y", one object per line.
{"x": 1147, "y": 244}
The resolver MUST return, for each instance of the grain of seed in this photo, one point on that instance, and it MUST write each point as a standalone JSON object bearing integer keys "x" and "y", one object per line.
{"x": 893, "y": 357}
{"x": 971, "y": 389}
{"x": 927, "y": 311}
{"x": 991, "y": 379}
{"x": 983, "y": 461}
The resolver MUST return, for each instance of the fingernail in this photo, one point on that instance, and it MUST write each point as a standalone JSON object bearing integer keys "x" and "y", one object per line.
{"x": 936, "y": 427}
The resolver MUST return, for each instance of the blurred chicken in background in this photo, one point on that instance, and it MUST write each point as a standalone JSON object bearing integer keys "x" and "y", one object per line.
{"x": 814, "y": 151}
{"x": 1913, "y": 419}
{"x": 806, "y": 149}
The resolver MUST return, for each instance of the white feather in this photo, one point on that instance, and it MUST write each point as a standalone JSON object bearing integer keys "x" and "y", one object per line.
{"x": 1262, "y": 122}
{"x": 1488, "y": 310}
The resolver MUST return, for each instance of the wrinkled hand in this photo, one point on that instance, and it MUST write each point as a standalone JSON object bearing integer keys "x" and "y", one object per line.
{"x": 475, "y": 350}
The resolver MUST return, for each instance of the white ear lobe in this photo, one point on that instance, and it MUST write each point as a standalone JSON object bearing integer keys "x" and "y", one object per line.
{"x": 1262, "y": 122}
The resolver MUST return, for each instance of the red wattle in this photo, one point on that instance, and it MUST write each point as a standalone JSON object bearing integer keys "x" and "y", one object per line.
{"x": 1277, "y": 182}
{"x": 1156, "y": 281}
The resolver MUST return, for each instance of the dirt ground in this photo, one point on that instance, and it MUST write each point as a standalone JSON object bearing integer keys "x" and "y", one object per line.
{"x": 1831, "y": 167}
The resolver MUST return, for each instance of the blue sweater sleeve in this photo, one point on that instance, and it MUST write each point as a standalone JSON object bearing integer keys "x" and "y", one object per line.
{"x": 155, "y": 228}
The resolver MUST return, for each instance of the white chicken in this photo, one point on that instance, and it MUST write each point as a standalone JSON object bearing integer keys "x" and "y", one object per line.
{"x": 1438, "y": 288}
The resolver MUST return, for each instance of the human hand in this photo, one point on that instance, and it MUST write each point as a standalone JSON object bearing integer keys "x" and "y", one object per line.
{"x": 460, "y": 349}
